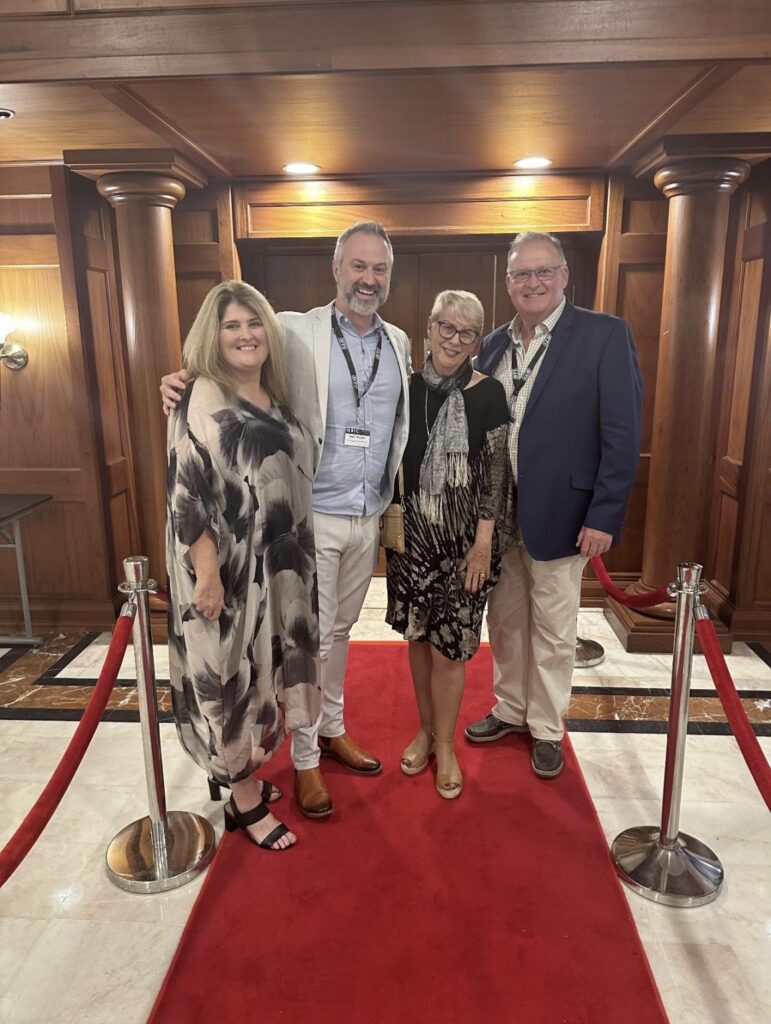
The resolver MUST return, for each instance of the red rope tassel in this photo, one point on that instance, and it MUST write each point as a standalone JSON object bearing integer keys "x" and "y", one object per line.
{"x": 630, "y": 600}
{"x": 27, "y": 834}
{"x": 734, "y": 712}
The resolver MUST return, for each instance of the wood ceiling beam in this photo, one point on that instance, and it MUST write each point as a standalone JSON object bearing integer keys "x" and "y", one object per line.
{"x": 379, "y": 36}
{"x": 130, "y": 103}
{"x": 705, "y": 83}
{"x": 749, "y": 146}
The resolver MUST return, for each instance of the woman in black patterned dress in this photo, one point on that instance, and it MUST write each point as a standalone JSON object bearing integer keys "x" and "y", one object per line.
{"x": 243, "y": 624}
{"x": 457, "y": 488}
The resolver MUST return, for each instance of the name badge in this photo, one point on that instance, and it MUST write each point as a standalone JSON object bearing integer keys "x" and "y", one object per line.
{"x": 356, "y": 437}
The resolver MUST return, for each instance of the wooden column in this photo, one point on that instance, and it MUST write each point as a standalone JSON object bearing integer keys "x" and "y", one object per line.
{"x": 677, "y": 513}
{"x": 143, "y": 203}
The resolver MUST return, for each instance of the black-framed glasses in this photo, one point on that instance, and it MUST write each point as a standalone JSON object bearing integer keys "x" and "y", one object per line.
{"x": 448, "y": 332}
{"x": 543, "y": 274}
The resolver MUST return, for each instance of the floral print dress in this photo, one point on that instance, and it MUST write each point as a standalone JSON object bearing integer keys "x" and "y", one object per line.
{"x": 239, "y": 682}
{"x": 426, "y": 597}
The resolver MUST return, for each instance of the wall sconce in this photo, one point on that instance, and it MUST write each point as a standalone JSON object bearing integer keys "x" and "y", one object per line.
{"x": 11, "y": 355}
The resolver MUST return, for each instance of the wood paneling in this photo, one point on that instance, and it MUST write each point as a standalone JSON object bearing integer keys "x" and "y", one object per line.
{"x": 740, "y": 554}
{"x": 743, "y": 100}
{"x": 204, "y": 247}
{"x": 421, "y": 206}
{"x": 438, "y": 121}
{"x": 53, "y": 117}
{"x": 30, "y": 7}
{"x": 43, "y": 395}
{"x": 630, "y": 284}
{"x": 48, "y": 443}
{"x": 384, "y": 35}
{"x": 26, "y": 215}
{"x": 28, "y": 251}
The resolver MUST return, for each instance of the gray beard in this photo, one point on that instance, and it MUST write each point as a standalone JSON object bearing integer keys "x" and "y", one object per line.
{"x": 365, "y": 307}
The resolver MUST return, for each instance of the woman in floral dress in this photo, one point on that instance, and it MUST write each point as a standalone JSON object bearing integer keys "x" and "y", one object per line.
{"x": 243, "y": 625}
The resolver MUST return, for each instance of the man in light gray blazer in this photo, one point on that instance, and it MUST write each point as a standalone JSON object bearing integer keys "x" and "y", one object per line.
{"x": 348, "y": 375}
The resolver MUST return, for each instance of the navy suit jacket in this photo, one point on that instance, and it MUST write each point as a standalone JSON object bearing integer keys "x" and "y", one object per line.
{"x": 579, "y": 442}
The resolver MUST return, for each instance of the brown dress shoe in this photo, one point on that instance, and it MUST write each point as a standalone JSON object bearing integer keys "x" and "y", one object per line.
{"x": 311, "y": 793}
{"x": 343, "y": 749}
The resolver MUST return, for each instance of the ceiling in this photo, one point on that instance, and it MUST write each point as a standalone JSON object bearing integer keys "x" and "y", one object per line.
{"x": 242, "y": 87}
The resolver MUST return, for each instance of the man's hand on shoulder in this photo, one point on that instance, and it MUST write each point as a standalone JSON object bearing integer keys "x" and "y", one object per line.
{"x": 172, "y": 388}
{"x": 593, "y": 542}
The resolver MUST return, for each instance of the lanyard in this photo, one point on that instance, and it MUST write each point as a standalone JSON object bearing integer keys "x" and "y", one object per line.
{"x": 351, "y": 368}
{"x": 517, "y": 382}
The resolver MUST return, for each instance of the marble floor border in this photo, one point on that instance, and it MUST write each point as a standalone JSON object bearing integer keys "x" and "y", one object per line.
{"x": 13, "y": 654}
{"x": 71, "y": 655}
{"x": 651, "y": 726}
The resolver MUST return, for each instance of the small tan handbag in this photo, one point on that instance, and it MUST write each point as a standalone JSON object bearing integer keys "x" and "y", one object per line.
{"x": 392, "y": 521}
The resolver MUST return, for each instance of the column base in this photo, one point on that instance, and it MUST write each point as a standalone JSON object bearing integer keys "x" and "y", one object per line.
{"x": 643, "y": 634}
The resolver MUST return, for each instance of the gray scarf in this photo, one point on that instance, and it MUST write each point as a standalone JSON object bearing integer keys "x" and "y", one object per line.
{"x": 445, "y": 461}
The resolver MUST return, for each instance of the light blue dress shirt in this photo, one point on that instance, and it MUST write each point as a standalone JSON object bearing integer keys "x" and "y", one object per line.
{"x": 349, "y": 480}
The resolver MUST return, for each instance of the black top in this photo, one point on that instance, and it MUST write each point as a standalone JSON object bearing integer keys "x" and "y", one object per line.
{"x": 486, "y": 409}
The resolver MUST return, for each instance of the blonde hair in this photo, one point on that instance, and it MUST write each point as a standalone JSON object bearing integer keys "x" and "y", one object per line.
{"x": 201, "y": 352}
{"x": 464, "y": 305}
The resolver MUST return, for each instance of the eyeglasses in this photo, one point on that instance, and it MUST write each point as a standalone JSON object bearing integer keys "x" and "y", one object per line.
{"x": 448, "y": 332}
{"x": 543, "y": 274}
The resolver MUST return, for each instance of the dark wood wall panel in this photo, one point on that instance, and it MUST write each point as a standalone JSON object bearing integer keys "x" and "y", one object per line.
{"x": 204, "y": 248}
{"x": 48, "y": 420}
{"x": 102, "y": 327}
{"x": 630, "y": 284}
{"x": 740, "y": 548}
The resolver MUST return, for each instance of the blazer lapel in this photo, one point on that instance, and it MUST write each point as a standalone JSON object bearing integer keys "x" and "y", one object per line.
{"x": 322, "y": 341}
{"x": 559, "y": 340}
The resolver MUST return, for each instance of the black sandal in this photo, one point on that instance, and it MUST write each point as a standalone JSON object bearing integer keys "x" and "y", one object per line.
{"x": 235, "y": 819}
{"x": 268, "y": 789}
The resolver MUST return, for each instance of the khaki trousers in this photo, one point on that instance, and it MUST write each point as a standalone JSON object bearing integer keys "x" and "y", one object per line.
{"x": 346, "y": 555}
{"x": 531, "y": 616}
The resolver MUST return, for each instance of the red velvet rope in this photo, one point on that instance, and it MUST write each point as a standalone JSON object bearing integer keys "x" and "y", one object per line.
{"x": 734, "y": 712}
{"x": 630, "y": 600}
{"x": 27, "y": 834}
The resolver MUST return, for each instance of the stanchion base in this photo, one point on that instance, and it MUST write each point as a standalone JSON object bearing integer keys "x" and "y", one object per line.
{"x": 588, "y": 653}
{"x": 131, "y": 862}
{"x": 688, "y": 874}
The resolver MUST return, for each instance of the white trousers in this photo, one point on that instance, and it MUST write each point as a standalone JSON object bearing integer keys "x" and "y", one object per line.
{"x": 531, "y": 616}
{"x": 346, "y": 555}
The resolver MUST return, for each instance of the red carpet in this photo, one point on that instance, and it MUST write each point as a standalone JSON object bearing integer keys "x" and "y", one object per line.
{"x": 402, "y": 907}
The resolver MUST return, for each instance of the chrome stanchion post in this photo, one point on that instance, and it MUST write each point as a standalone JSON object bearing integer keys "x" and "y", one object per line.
{"x": 662, "y": 863}
{"x": 167, "y": 848}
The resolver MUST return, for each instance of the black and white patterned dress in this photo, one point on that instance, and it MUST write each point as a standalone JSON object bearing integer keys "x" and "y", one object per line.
{"x": 426, "y": 597}
{"x": 238, "y": 683}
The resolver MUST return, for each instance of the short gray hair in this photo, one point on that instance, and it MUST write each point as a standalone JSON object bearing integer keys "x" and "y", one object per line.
{"x": 364, "y": 227}
{"x": 536, "y": 236}
{"x": 464, "y": 305}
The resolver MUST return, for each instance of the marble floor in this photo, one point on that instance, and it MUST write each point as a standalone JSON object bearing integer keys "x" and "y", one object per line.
{"x": 73, "y": 948}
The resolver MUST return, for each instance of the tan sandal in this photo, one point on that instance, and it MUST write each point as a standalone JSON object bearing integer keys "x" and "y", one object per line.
{"x": 449, "y": 785}
{"x": 412, "y": 762}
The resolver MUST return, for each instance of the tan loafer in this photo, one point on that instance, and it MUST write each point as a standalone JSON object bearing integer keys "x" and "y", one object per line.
{"x": 311, "y": 793}
{"x": 344, "y": 750}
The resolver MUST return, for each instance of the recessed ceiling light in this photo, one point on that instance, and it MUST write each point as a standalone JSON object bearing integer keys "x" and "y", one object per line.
{"x": 301, "y": 168}
{"x": 532, "y": 163}
{"x": 6, "y": 114}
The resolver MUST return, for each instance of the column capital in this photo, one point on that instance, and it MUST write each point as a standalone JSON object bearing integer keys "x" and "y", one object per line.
{"x": 148, "y": 189}
{"x": 701, "y": 174}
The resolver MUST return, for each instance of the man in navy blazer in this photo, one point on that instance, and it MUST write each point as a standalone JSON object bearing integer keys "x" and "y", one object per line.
{"x": 574, "y": 392}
